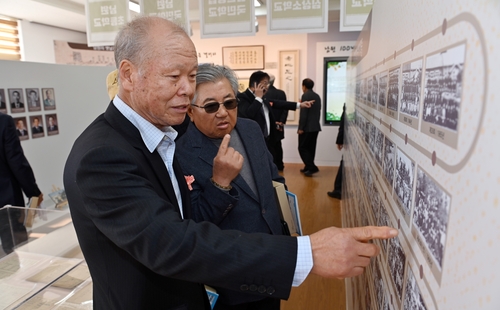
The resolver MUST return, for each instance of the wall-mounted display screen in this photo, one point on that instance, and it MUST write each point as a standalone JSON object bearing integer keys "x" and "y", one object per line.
{"x": 334, "y": 89}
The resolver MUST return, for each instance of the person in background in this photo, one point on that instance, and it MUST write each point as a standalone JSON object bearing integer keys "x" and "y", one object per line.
{"x": 280, "y": 116}
{"x": 51, "y": 126}
{"x": 309, "y": 128}
{"x": 16, "y": 177}
{"x": 337, "y": 186}
{"x": 20, "y": 128}
{"x": 33, "y": 99}
{"x": 36, "y": 128}
{"x": 131, "y": 207}
{"x": 242, "y": 195}
{"x": 16, "y": 103}
{"x": 252, "y": 106}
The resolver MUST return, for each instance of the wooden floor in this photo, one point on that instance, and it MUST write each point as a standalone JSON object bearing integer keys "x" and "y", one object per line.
{"x": 317, "y": 211}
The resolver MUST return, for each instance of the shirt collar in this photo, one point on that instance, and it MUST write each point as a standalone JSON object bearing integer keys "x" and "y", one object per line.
{"x": 151, "y": 135}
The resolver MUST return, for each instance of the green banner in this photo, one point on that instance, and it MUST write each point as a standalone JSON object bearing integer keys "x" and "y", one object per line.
{"x": 107, "y": 15}
{"x": 226, "y": 11}
{"x": 294, "y": 9}
{"x": 168, "y": 9}
{"x": 354, "y": 7}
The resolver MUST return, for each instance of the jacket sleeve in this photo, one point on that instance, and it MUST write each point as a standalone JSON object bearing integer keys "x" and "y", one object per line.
{"x": 18, "y": 163}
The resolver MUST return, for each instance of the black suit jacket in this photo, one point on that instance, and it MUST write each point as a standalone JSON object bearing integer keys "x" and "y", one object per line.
{"x": 309, "y": 118}
{"x": 13, "y": 105}
{"x": 249, "y": 107}
{"x": 280, "y": 115}
{"x": 16, "y": 175}
{"x": 140, "y": 252}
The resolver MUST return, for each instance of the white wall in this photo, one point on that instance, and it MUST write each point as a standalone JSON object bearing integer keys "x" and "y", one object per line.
{"x": 37, "y": 41}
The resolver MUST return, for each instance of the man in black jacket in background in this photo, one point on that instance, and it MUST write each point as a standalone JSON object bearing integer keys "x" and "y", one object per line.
{"x": 309, "y": 128}
{"x": 280, "y": 116}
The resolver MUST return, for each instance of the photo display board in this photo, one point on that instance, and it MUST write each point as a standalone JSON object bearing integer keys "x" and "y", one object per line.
{"x": 421, "y": 154}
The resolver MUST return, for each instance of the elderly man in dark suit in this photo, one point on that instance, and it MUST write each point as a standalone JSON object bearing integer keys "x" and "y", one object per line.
{"x": 280, "y": 116}
{"x": 16, "y": 177}
{"x": 309, "y": 128}
{"x": 130, "y": 202}
{"x": 243, "y": 197}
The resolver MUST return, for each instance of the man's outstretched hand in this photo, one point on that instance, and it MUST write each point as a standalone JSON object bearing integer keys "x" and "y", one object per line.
{"x": 345, "y": 252}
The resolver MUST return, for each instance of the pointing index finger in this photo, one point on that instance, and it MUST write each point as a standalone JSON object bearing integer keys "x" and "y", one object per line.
{"x": 224, "y": 144}
{"x": 373, "y": 232}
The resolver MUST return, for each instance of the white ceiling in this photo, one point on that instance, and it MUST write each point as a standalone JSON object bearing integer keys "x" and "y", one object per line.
{"x": 70, "y": 14}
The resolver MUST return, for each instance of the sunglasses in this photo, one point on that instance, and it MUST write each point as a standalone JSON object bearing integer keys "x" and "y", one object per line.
{"x": 213, "y": 107}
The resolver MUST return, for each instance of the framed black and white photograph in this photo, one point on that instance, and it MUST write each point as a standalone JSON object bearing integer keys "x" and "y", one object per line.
{"x": 384, "y": 220}
{"x": 16, "y": 100}
{"x": 403, "y": 184}
{"x": 3, "y": 101}
{"x": 49, "y": 99}
{"x": 379, "y": 285}
{"x": 413, "y": 298}
{"x": 393, "y": 92}
{"x": 443, "y": 94}
{"x": 33, "y": 99}
{"x": 37, "y": 130}
{"x": 430, "y": 218}
{"x": 369, "y": 88}
{"x": 397, "y": 261}
{"x": 382, "y": 91}
{"x": 378, "y": 146}
{"x": 51, "y": 124}
{"x": 365, "y": 88}
{"x": 374, "y": 96}
{"x": 358, "y": 89}
{"x": 21, "y": 129}
{"x": 409, "y": 103}
{"x": 389, "y": 161}
{"x": 375, "y": 200}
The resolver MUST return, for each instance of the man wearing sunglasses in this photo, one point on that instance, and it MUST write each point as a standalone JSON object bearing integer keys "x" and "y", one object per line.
{"x": 252, "y": 106}
{"x": 240, "y": 196}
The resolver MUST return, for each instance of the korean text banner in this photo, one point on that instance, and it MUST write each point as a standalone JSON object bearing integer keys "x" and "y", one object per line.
{"x": 104, "y": 19}
{"x": 353, "y": 14}
{"x": 297, "y": 16}
{"x": 226, "y": 18}
{"x": 176, "y": 11}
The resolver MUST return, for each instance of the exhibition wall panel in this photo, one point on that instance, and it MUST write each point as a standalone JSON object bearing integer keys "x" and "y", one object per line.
{"x": 421, "y": 154}
{"x": 77, "y": 95}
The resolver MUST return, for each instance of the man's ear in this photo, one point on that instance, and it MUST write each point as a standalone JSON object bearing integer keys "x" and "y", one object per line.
{"x": 126, "y": 73}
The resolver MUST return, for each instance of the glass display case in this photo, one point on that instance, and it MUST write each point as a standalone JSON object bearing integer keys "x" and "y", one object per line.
{"x": 41, "y": 265}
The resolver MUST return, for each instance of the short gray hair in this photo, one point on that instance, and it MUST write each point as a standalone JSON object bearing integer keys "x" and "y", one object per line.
{"x": 133, "y": 41}
{"x": 212, "y": 73}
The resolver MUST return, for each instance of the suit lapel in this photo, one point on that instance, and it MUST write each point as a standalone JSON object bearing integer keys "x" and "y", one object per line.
{"x": 254, "y": 155}
{"x": 128, "y": 130}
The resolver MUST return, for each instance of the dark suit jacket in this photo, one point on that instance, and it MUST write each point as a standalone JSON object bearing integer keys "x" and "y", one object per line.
{"x": 140, "y": 253}
{"x": 340, "y": 135}
{"x": 16, "y": 175}
{"x": 13, "y": 105}
{"x": 249, "y": 107}
{"x": 2, "y": 105}
{"x": 280, "y": 115}
{"x": 309, "y": 118}
{"x": 239, "y": 208}
{"x": 38, "y": 129}
{"x": 21, "y": 132}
